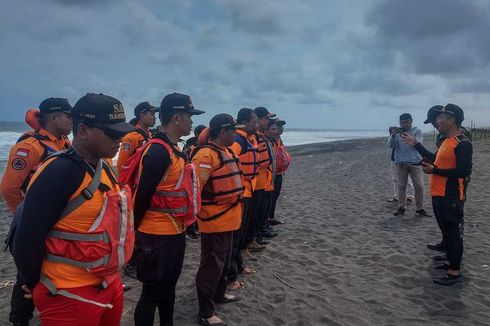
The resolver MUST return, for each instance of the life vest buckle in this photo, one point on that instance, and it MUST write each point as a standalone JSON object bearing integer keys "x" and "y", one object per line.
{"x": 87, "y": 194}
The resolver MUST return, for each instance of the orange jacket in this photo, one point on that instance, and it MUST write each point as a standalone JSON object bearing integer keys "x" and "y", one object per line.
{"x": 263, "y": 160}
{"x": 130, "y": 143}
{"x": 271, "y": 168}
{"x": 24, "y": 158}
{"x": 222, "y": 183}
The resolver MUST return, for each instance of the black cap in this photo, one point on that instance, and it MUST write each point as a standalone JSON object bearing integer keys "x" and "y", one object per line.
{"x": 55, "y": 104}
{"x": 221, "y": 121}
{"x": 263, "y": 112}
{"x": 101, "y": 109}
{"x": 179, "y": 102}
{"x": 143, "y": 107}
{"x": 280, "y": 122}
{"x": 406, "y": 116}
{"x": 199, "y": 129}
{"x": 432, "y": 114}
{"x": 454, "y": 110}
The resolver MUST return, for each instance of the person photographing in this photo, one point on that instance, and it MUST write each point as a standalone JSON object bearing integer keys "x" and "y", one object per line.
{"x": 408, "y": 163}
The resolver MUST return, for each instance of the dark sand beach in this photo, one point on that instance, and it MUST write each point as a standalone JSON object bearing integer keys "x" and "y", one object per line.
{"x": 347, "y": 259}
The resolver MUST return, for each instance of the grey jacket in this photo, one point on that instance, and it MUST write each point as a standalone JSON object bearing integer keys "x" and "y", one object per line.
{"x": 405, "y": 153}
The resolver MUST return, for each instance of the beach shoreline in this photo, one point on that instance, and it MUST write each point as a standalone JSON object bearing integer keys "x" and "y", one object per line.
{"x": 346, "y": 258}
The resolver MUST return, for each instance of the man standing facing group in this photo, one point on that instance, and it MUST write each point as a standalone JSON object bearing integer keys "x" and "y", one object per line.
{"x": 449, "y": 167}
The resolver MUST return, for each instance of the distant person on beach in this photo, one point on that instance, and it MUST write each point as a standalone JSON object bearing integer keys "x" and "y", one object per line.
{"x": 51, "y": 125}
{"x": 448, "y": 167}
{"x": 222, "y": 186}
{"x": 164, "y": 199}
{"x": 144, "y": 119}
{"x": 394, "y": 178}
{"x": 245, "y": 148}
{"x": 265, "y": 179}
{"x": 283, "y": 159}
{"x": 74, "y": 215}
{"x": 408, "y": 163}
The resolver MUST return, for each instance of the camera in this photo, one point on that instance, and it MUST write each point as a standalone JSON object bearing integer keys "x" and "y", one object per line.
{"x": 394, "y": 129}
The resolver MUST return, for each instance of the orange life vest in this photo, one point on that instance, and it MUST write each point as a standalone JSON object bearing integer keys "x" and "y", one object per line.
{"x": 32, "y": 119}
{"x": 108, "y": 244}
{"x": 263, "y": 151}
{"x": 446, "y": 159}
{"x": 224, "y": 186}
{"x": 248, "y": 156}
{"x": 183, "y": 201}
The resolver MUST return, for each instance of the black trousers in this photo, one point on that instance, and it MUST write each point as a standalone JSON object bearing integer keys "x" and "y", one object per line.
{"x": 254, "y": 215}
{"x": 275, "y": 196}
{"x": 239, "y": 237}
{"x": 212, "y": 275}
{"x": 261, "y": 203}
{"x": 21, "y": 309}
{"x": 159, "y": 260}
{"x": 450, "y": 215}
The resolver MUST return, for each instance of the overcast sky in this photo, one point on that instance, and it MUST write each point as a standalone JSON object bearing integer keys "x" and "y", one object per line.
{"x": 318, "y": 64}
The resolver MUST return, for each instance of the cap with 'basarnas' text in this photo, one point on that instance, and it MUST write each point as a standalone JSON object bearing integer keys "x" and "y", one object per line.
{"x": 263, "y": 112}
{"x": 55, "y": 104}
{"x": 101, "y": 109}
{"x": 179, "y": 102}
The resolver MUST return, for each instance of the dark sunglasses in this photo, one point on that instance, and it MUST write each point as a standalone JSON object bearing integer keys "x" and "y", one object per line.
{"x": 112, "y": 134}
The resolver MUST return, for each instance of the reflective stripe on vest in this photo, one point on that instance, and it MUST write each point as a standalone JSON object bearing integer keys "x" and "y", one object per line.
{"x": 52, "y": 288}
{"x": 182, "y": 193}
{"x": 89, "y": 264}
{"x": 79, "y": 236}
{"x": 123, "y": 220}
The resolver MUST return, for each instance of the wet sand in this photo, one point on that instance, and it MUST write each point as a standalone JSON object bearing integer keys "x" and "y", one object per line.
{"x": 348, "y": 260}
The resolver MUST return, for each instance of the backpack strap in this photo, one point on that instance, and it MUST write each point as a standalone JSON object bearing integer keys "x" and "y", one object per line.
{"x": 143, "y": 133}
{"x": 86, "y": 194}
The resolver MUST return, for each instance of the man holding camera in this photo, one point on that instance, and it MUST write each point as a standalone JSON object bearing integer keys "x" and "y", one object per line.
{"x": 408, "y": 163}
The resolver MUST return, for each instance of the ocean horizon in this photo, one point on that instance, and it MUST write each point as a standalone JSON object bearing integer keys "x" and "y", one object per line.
{"x": 10, "y": 131}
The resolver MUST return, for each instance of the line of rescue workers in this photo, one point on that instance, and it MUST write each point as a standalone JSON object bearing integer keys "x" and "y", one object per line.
{"x": 73, "y": 230}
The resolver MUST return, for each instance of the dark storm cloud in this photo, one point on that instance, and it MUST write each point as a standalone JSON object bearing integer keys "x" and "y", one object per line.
{"x": 254, "y": 17}
{"x": 81, "y": 3}
{"x": 328, "y": 57}
{"x": 434, "y": 37}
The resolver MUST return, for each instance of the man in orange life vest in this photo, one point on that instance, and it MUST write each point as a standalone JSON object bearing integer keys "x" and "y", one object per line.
{"x": 161, "y": 205}
{"x": 245, "y": 147}
{"x": 76, "y": 229}
{"x": 34, "y": 146}
{"x": 51, "y": 127}
{"x": 282, "y": 163}
{"x": 144, "y": 119}
{"x": 265, "y": 185}
{"x": 222, "y": 188}
{"x": 448, "y": 168}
